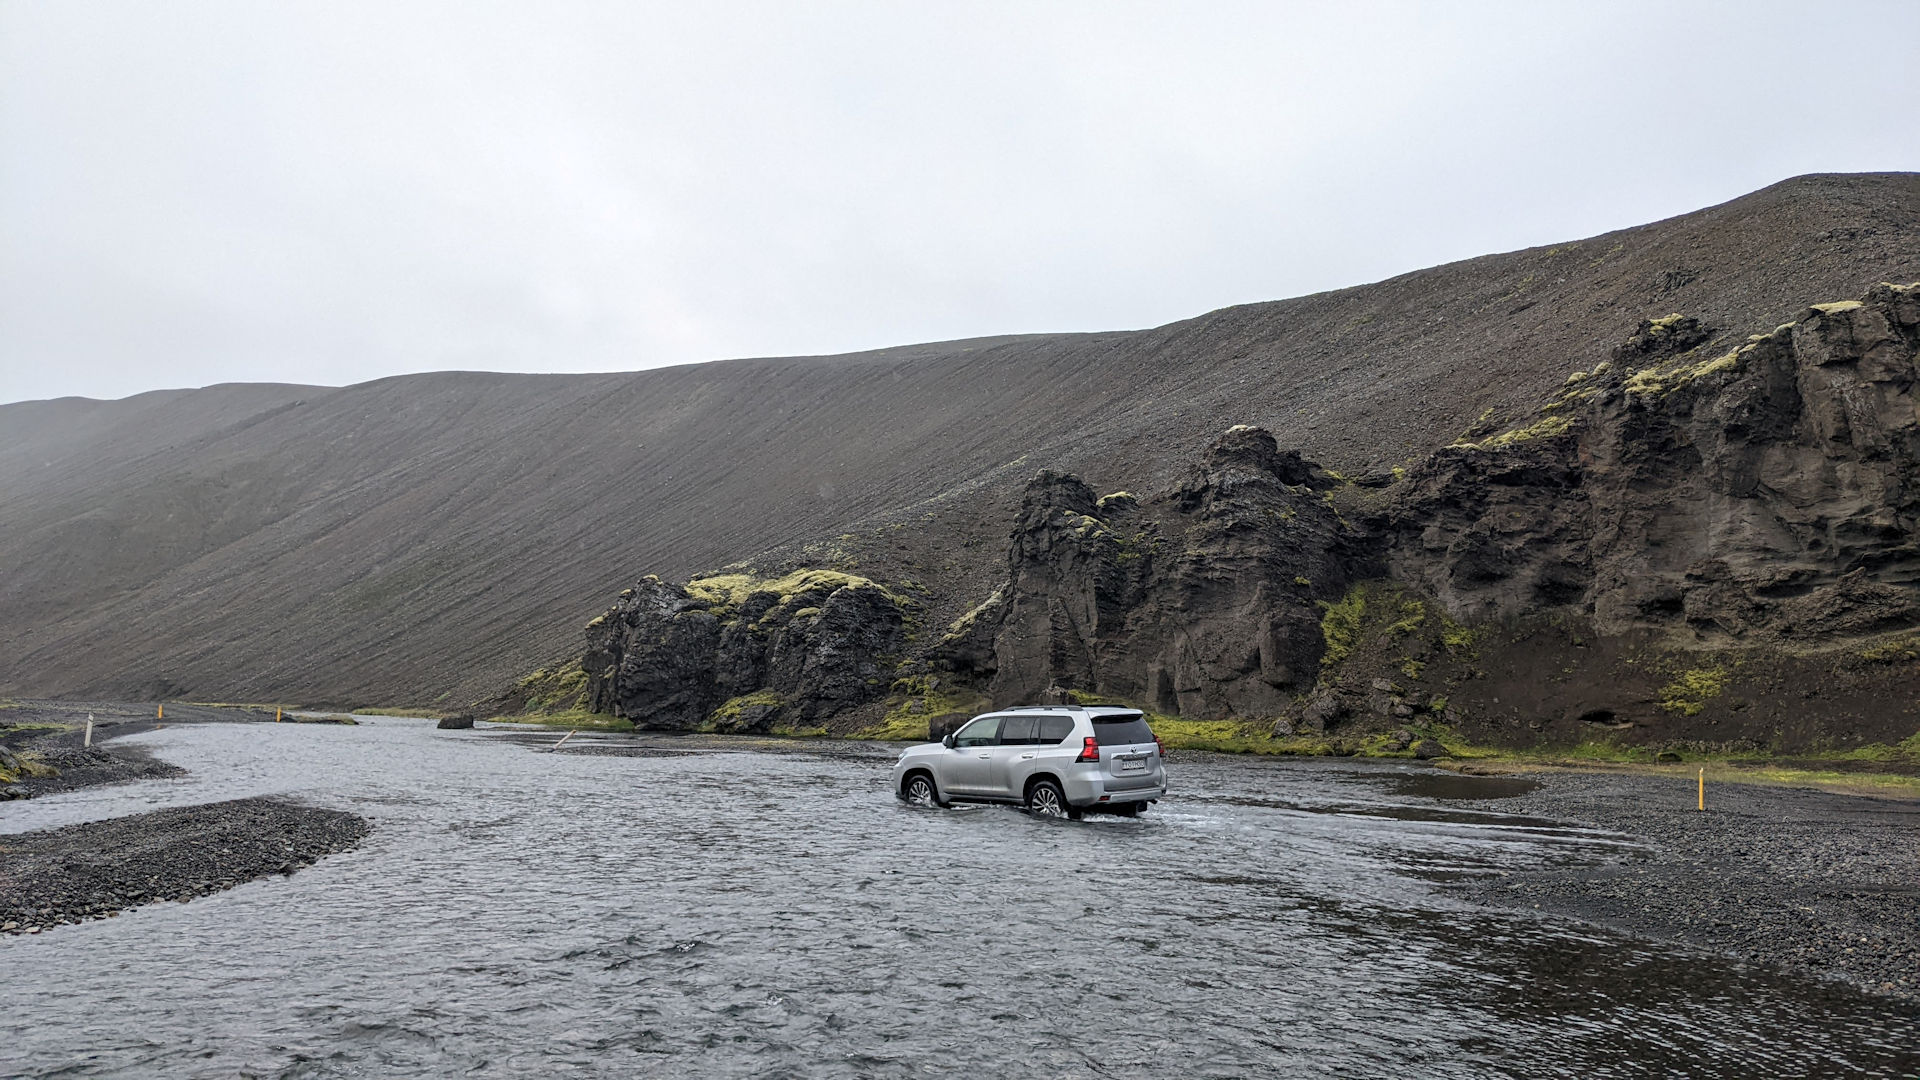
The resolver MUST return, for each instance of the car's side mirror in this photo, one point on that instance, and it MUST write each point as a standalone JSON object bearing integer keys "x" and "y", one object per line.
{"x": 950, "y": 741}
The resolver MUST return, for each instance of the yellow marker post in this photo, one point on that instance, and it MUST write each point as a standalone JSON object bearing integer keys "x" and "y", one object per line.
{"x": 1703, "y": 789}
{"x": 276, "y": 714}
{"x": 160, "y": 712}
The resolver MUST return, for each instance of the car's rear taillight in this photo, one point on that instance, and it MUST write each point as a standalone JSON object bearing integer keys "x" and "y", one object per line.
{"x": 1160, "y": 746}
{"x": 1089, "y": 750}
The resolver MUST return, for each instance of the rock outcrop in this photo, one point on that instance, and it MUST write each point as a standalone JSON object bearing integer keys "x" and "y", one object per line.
{"x": 736, "y": 653}
{"x": 1199, "y": 601}
{"x": 1705, "y": 537}
{"x": 1764, "y": 490}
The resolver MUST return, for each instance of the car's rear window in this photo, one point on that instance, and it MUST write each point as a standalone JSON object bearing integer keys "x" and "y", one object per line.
{"x": 1122, "y": 729}
{"x": 1035, "y": 730}
{"x": 1017, "y": 731}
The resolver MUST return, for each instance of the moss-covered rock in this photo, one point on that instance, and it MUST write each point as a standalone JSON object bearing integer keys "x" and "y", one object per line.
{"x": 743, "y": 652}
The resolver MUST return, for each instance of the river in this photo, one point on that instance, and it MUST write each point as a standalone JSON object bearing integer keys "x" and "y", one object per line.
{"x": 779, "y": 914}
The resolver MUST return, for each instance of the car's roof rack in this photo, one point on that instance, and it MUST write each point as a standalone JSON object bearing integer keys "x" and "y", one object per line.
{"x": 1068, "y": 708}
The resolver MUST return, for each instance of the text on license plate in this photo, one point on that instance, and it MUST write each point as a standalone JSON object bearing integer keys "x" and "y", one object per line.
{"x": 1132, "y": 764}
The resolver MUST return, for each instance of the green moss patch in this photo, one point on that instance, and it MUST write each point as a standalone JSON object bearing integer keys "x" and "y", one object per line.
{"x": 1369, "y": 610}
{"x": 1690, "y": 691}
{"x": 551, "y": 690}
{"x": 723, "y": 594}
{"x": 733, "y": 708}
{"x": 918, "y": 699}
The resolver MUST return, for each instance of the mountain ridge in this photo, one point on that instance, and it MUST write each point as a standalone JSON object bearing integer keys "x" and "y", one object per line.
{"x": 421, "y": 539}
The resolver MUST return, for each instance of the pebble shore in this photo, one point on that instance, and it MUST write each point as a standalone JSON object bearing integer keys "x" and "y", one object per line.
{"x": 1816, "y": 882}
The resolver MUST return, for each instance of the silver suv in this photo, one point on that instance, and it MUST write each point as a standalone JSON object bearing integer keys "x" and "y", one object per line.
{"x": 1055, "y": 761}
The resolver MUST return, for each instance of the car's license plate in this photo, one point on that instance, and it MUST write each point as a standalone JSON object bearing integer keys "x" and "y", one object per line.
{"x": 1133, "y": 764}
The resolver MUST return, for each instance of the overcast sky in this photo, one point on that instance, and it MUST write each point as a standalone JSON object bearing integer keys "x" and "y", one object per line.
{"x": 330, "y": 192}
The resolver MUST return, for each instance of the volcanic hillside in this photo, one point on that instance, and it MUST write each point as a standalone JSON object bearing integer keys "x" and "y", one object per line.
{"x": 426, "y": 539}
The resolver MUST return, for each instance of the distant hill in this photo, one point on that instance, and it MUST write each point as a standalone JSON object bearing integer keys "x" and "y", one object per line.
{"x": 426, "y": 539}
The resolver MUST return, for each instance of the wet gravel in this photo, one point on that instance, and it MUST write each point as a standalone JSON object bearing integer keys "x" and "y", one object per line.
{"x": 99, "y": 869}
{"x": 1820, "y": 883}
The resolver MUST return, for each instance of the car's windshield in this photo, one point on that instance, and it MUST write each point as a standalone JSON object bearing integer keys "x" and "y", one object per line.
{"x": 1121, "y": 730}
{"x": 982, "y": 732}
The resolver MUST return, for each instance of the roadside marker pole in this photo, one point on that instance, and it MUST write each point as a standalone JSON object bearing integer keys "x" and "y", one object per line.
{"x": 276, "y": 714}
{"x": 564, "y": 739}
{"x": 88, "y": 741}
{"x": 159, "y": 712}
{"x": 1703, "y": 789}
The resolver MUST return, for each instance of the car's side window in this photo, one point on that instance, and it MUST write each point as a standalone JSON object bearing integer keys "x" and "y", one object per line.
{"x": 1054, "y": 729}
{"x": 1018, "y": 731}
{"x": 982, "y": 732}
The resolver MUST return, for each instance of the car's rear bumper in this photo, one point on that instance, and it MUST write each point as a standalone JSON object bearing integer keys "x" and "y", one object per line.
{"x": 1095, "y": 791}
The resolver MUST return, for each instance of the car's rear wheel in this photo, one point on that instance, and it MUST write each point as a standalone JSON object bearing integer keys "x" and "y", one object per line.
{"x": 919, "y": 791}
{"x": 1046, "y": 799}
{"x": 1131, "y": 809}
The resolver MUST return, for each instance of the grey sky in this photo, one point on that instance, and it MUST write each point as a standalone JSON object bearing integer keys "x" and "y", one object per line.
{"x": 330, "y": 192}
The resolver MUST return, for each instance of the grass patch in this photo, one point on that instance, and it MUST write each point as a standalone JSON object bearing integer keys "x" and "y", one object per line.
{"x": 30, "y": 765}
{"x": 579, "y": 719}
{"x": 1895, "y": 651}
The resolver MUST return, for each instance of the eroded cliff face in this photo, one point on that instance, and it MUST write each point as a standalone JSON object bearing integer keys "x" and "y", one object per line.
{"x": 1749, "y": 492}
{"x": 1199, "y": 601}
{"x": 1705, "y": 537}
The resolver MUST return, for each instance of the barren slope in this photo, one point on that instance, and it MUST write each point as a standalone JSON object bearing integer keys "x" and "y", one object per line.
{"x": 423, "y": 539}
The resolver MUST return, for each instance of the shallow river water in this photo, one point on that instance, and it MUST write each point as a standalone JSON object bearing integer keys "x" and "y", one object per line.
{"x": 517, "y": 913}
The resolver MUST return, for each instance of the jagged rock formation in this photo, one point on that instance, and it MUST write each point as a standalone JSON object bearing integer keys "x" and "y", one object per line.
{"x": 1764, "y": 490}
{"x": 1199, "y": 601}
{"x": 736, "y": 653}
{"x": 1604, "y": 563}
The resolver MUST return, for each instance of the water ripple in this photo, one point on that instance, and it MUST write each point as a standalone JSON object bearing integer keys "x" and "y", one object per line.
{"x": 778, "y": 915}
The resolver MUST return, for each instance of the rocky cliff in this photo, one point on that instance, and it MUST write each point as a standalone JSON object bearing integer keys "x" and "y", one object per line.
{"x": 1706, "y": 536}
{"x": 735, "y": 652}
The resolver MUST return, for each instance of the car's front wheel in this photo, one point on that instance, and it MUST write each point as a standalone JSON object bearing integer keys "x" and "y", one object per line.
{"x": 1045, "y": 799}
{"x": 919, "y": 791}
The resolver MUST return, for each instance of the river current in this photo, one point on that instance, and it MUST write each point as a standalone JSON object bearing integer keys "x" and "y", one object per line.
{"x": 779, "y": 914}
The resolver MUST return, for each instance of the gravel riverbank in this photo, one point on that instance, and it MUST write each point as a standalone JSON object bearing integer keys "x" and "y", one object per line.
{"x": 1823, "y": 883}
{"x": 101, "y": 868}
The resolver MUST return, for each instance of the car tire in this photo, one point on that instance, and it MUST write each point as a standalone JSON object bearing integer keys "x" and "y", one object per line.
{"x": 1131, "y": 809}
{"x": 919, "y": 790}
{"x": 1046, "y": 799}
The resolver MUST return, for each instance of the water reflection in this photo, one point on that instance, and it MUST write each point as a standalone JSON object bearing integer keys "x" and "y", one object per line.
{"x": 779, "y": 915}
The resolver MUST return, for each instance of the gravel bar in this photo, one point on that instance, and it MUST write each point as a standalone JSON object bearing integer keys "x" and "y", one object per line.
{"x": 102, "y": 868}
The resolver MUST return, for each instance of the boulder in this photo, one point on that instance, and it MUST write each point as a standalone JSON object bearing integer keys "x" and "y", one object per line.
{"x": 455, "y": 723}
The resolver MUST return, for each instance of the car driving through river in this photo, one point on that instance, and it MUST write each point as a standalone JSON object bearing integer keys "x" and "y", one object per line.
{"x": 1056, "y": 761}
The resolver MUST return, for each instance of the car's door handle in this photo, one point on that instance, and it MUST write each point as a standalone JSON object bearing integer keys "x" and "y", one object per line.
{"x": 1026, "y": 757}
{"x": 983, "y": 757}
